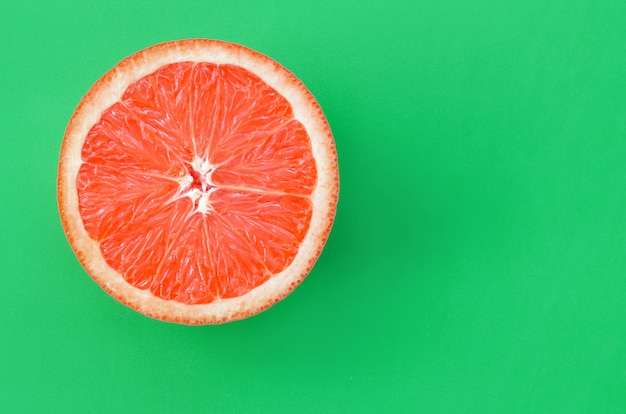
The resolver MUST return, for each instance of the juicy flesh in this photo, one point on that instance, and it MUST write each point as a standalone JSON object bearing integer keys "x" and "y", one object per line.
{"x": 197, "y": 183}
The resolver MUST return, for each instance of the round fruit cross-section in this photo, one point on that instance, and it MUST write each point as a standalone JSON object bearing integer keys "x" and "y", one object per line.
{"x": 198, "y": 181}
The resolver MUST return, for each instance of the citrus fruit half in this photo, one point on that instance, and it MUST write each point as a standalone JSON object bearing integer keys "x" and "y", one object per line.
{"x": 198, "y": 181}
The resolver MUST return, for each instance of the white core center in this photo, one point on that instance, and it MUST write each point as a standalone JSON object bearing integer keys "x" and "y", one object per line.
{"x": 198, "y": 185}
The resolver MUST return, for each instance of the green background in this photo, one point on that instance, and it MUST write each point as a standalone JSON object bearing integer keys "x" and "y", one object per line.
{"x": 477, "y": 263}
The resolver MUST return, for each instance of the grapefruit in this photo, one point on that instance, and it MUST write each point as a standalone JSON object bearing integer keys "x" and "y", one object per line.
{"x": 198, "y": 182}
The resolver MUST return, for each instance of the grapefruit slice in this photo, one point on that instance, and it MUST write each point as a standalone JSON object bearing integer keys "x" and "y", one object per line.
{"x": 198, "y": 182}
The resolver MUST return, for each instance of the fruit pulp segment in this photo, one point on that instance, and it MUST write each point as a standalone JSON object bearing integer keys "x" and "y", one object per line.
{"x": 197, "y": 184}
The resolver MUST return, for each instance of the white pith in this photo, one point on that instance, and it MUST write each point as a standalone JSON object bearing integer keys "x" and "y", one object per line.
{"x": 200, "y": 197}
{"x": 323, "y": 197}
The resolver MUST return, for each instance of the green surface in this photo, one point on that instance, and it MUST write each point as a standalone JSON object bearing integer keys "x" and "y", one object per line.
{"x": 477, "y": 263}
